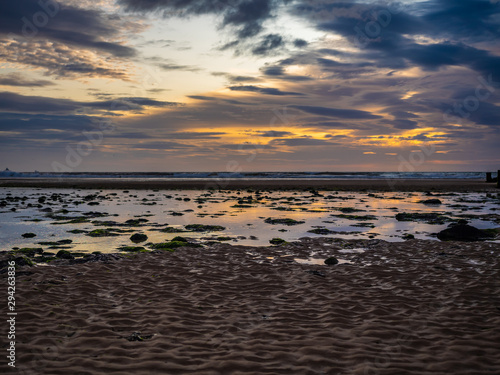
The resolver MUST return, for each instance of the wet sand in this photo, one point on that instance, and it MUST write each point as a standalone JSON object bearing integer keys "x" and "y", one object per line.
{"x": 414, "y": 307}
{"x": 455, "y": 185}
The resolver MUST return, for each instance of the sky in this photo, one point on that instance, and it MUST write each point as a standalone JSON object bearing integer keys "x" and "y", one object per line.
{"x": 249, "y": 85}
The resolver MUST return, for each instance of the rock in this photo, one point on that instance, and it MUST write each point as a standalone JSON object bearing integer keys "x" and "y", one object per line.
{"x": 29, "y": 251}
{"x": 431, "y": 201}
{"x": 23, "y": 261}
{"x": 138, "y": 237}
{"x": 136, "y": 222}
{"x": 463, "y": 232}
{"x": 277, "y": 241}
{"x": 132, "y": 249}
{"x": 204, "y": 228}
{"x": 321, "y": 231}
{"x": 179, "y": 239}
{"x": 408, "y": 237}
{"x": 285, "y": 221}
{"x": 331, "y": 261}
{"x": 101, "y": 233}
{"x": 29, "y": 235}
{"x": 64, "y": 254}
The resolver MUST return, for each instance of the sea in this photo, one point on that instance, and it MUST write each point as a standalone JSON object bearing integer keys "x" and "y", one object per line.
{"x": 249, "y": 175}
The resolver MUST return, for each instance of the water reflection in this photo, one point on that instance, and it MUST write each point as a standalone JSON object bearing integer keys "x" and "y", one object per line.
{"x": 344, "y": 214}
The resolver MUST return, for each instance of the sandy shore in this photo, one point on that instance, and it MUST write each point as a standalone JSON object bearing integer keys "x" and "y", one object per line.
{"x": 415, "y": 307}
{"x": 330, "y": 184}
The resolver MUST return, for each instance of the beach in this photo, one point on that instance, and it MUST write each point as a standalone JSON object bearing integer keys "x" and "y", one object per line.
{"x": 257, "y": 187}
{"x": 414, "y": 307}
{"x": 388, "y": 184}
{"x": 205, "y": 292}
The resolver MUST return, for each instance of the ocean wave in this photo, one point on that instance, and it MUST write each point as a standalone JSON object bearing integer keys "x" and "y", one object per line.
{"x": 248, "y": 175}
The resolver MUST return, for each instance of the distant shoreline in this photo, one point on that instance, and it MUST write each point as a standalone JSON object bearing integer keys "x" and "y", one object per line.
{"x": 448, "y": 185}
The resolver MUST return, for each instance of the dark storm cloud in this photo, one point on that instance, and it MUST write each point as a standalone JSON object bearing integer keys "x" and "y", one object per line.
{"x": 78, "y": 68}
{"x": 299, "y": 43}
{"x": 386, "y": 37}
{"x": 263, "y": 90}
{"x": 129, "y": 104}
{"x": 35, "y": 104}
{"x": 486, "y": 114}
{"x": 404, "y": 124}
{"x": 13, "y": 102}
{"x": 469, "y": 19}
{"x": 268, "y": 44}
{"x": 345, "y": 91}
{"x": 32, "y": 125}
{"x": 247, "y": 16}
{"x": 16, "y": 79}
{"x": 229, "y": 45}
{"x": 404, "y": 114}
{"x": 273, "y": 70}
{"x": 278, "y": 72}
{"x": 49, "y": 20}
{"x": 336, "y": 112}
{"x": 329, "y": 63}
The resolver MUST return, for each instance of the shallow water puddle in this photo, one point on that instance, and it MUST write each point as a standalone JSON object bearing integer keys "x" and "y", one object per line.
{"x": 352, "y": 251}
{"x": 319, "y": 262}
{"x": 242, "y": 213}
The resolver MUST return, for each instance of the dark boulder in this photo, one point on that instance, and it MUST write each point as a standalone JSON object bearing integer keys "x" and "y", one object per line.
{"x": 431, "y": 201}
{"x": 64, "y": 254}
{"x": 138, "y": 237}
{"x": 463, "y": 232}
{"x": 331, "y": 261}
{"x": 277, "y": 241}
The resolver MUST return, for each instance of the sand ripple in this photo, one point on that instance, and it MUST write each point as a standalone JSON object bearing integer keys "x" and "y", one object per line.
{"x": 417, "y": 307}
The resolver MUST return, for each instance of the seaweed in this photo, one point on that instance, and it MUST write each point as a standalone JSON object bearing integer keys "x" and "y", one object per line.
{"x": 204, "y": 228}
{"x": 102, "y": 233}
{"x": 283, "y": 221}
{"x": 277, "y": 241}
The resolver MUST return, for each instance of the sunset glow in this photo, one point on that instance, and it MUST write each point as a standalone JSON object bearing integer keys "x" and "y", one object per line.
{"x": 271, "y": 85}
